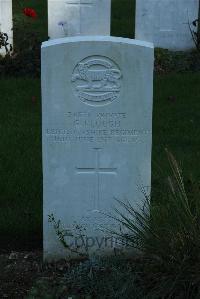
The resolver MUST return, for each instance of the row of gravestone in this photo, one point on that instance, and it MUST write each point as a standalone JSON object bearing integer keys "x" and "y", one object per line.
{"x": 163, "y": 22}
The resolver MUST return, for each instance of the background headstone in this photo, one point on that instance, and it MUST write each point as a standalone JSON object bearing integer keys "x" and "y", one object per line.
{"x": 6, "y": 23}
{"x": 165, "y": 22}
{"x": 78, "y": 17}
{"x": 97, "y": 132}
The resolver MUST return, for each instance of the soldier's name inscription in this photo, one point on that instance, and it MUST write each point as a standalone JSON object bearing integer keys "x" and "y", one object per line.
{"x": 96, "y": 127}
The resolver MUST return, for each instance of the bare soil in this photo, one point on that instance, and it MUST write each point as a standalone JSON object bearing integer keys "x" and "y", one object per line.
{"x": 19, "y": 271}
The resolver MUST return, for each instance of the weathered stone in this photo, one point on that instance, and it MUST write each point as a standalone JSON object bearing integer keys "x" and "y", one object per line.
{"x": 166, "y": 22}
{"x": 97, "y": 130}
{"x": 78, "y": 17}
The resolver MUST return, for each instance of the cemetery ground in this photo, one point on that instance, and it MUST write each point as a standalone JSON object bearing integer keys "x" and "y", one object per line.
{"x": 175, "y": 126}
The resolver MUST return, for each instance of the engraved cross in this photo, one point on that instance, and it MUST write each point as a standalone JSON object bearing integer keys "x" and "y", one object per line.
{"x": 76, "y": 6}
{"x": 80, "y": 2}
{"x": 97, "y": 170}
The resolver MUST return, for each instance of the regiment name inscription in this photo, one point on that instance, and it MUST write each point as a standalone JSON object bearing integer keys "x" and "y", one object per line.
{"x": 96, "y": 127}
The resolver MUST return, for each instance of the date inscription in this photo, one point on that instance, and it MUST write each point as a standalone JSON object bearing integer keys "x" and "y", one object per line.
{"x": 85, "y": 127}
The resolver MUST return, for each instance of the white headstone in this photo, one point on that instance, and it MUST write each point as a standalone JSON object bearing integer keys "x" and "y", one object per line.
{"x": 6, "y": 23}
{"x": 165, "y": 22}
{"x": 97, "y": 131}
{"x": 78, "y": 17}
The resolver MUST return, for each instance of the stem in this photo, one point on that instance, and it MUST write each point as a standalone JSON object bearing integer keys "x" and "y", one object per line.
{"x": 198, "y": 28}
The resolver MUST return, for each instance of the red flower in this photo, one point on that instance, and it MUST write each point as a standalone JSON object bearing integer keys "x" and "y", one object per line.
{"x": 30, "y": 12}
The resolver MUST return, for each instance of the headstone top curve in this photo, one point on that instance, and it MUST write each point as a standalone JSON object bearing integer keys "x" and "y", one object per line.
{"x": 99, "y": 38}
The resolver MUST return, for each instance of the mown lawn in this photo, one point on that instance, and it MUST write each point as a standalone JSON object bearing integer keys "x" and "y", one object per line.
{"x": 175, "y": 126}
{"x": 176, "y": 121}
{"x": 20, "y": 167}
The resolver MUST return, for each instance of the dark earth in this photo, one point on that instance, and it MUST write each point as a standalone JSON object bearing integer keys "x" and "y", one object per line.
{"x": 20, "y": 271}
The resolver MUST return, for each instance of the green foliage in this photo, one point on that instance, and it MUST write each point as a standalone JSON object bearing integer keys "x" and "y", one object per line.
{"x": 168, "y": 61}
{"x": 28, "y": 35}
{"x": 167, "y": 234}
{"x": 195, "y": 32}
{"x": 23, "y": 63}
{"x": 25, "y": 60}
{"x": 4, "y": 44}
{"x": 47, "y": 289}
{"x": 21, "y": 164}
{"x": 123, "y": 13}
{"x": 94, "y": 279}
{"x": 62, "y": 234}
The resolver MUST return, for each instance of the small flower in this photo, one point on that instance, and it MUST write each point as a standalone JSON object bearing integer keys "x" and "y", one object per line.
{"x": 61, "y": 23}
{"x": 30, "y": 12}
{"x": 64, "y": 26}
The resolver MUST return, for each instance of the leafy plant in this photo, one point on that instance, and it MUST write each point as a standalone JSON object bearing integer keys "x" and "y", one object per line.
{"x": 4, "y": 44}
{"x": 100, "y": 278}
{"x": 168, "y": 61}
{"x": 62, "y": 234}
{"x": 25, "y": 58}
{"x": 166, "y": 231}
{"x": 195, "y": 32}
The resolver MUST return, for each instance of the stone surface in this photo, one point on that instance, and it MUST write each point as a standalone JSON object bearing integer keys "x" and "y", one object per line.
{"x": 97, "y": 131}
{"x": 6, "y": 20}
{"x": 78, "y": 17}
{"x": 165, "y": 22}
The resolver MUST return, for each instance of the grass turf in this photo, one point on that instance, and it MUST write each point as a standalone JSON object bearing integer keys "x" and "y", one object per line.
{"x": 20, "y": 166}
{"x": 176, "y": 119}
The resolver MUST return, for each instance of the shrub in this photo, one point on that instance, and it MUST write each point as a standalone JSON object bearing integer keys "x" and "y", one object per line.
{"x": 195, "y": 32}
{"x": 25, "y": 58}
{"x": 168, "y": 61}
{"x": 167, "y": 234}
{"x": 4, "y": 44}
{"x": 96, "y": 278}
{"x": 24, "y": 61}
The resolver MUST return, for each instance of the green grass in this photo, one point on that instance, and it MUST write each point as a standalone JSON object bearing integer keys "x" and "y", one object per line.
{"x": 20, "y": 167}
{"x": 176, "y": 123}
{"x": 168, "y": 238}
{"x": 123, "y": 18}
